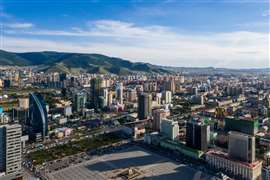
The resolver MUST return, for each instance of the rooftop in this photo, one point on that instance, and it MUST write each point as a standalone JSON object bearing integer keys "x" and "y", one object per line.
{"x": 225, "y": 156}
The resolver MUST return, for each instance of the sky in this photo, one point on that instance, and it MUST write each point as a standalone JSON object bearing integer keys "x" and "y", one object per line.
{"x": 183, "y": 33}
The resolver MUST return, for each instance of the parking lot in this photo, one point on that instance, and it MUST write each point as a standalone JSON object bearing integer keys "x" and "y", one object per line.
{"x": 108, "y": 166}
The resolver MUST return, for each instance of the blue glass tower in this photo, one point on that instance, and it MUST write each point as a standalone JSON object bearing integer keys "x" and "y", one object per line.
{"x": 38, "y": 119}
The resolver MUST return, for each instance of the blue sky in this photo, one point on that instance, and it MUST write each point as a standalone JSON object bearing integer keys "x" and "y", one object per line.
{"x": 219, "y": 33}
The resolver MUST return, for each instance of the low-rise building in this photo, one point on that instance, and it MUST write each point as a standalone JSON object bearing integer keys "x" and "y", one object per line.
{"x": 242, "y": 170}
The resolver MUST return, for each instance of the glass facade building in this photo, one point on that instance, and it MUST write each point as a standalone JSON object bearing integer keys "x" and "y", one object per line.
{"x": 38, "y": 119}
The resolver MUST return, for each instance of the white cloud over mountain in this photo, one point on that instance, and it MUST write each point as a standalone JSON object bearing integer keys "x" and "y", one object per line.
{"x": 154, "y": 44}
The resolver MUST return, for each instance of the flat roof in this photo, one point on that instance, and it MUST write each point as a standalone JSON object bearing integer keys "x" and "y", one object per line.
{"x": 225, "y": 156}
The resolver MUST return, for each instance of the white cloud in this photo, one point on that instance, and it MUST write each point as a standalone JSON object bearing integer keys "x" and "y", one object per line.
{"x": 19, "y": 25}
{"x": 153, "y": 44}
{"x": 266, "y": 13}
{"x": 255, "y": 25}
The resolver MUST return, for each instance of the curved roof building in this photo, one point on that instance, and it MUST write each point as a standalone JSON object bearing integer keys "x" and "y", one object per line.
{"x": 38, "y": 120}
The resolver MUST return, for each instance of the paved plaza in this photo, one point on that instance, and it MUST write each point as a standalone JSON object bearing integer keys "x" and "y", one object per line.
{"x": 148, "y": 166}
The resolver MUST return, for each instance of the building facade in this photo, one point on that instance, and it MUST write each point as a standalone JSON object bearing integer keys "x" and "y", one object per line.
{"x": 247, "y": 126}
{"x": 79, "y": 101}
{"x": 38, "y": 119}
{"x": 241, "y": 146}
{"x": 10, "y": 151}
{"x": 95, "y": 93}
{"x": 197, "y": 135}
{"x": 170, "y": 129}
{"x": 158, "y": 115}
{"x": 144, "y": 106}
{"x": 238, "y": 169}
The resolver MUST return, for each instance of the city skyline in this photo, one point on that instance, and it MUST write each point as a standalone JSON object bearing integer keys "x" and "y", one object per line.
{"x": 229, "y": 34}
{"x": 134, "y": 89}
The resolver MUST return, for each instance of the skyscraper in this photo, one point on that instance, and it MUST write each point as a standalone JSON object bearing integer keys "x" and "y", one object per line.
{"x": 170, "y": 85}
{"x": 167, "y": 97}
{"x": 197, "y": 135}
{"x": 132, "y": 95}
{"x": 119, "y": 93}
{"x": 38, "y": 120}
{"x": 79, "y": 101}
{"x": 241, "y": 146}
{"x": 144, "y": 106}
{"x": 105, "y": 94}
{"x": 95, "y": 93}
{"x": 10, "y": 151}
{"x": 158, "y": 115}
{"x": 195, "y": 91}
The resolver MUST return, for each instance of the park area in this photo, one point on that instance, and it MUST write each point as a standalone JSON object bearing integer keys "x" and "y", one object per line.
{"x": 72, "y": 148}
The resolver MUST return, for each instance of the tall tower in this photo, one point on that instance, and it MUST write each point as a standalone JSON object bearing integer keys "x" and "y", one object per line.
{"x": 158, "y": 115}
{"x": 167, "y": 97}
{"x": 120, "y": 93}
{"x": 38, "y": 120}
{"x": 10, "y": 151}
{"x": 197, "y": 135}
{"x": 79, "y": 101}
{"x": 170, "y": 85}
{"x": 105, "y": 94}
{"x": 95, "y": 93}
{"x": 144, "y": 106}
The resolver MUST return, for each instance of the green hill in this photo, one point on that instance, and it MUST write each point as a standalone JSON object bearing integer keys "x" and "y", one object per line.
{"x": 76, "y": 62}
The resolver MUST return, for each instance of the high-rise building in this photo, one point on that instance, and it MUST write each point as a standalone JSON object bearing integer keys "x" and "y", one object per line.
{"x": 144, "y": 105}
{"x": 20, "y": 115}
{"x": 62, "y": 77}
{"x": 195, "y": 91}
{"x": 110, "y": 98}
{"x": 119, "y": 93}
{"x": 132, "y": 95}
{"x": 158, "y": 99}
{"x": 95, "y": 93}
{"x": 241, "y": 146}
{"x": 233, "y": 90}
{"x": 170, "y": 128}
{"x": 170, "y": 85}
{"x": 10, "y": 152}
{"x": 38, "y": 120}
{"x": 197, "y": 135}
{"x": 158, "y": 115}
{"x": 79, "y": 101}
{"x": 105, "y": 94}
{"x": 7, "y": 83}
{"x": 150, "y": 86}
{"x": 247, "y": 126}
{"x": 167, "y": 97}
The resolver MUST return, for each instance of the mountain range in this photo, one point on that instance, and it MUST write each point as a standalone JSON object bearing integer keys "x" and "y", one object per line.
{"x": 51, "y": 61}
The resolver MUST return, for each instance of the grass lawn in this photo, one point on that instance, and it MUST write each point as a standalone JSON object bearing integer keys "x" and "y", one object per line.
{"x": 61, "y": 151}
